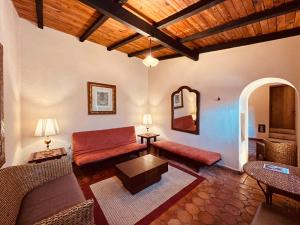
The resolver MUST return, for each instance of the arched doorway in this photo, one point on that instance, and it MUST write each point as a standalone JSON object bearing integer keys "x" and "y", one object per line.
{"x": 243, "y": 114}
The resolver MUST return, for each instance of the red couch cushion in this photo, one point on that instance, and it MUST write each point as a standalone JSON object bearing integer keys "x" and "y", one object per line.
{"x": 107, "y": 153}
{"x": 203, "y": 156}
{"x": 89, "y": 141}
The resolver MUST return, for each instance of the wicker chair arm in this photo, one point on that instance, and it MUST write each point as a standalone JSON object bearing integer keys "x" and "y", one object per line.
{"x": 82, "y": 214}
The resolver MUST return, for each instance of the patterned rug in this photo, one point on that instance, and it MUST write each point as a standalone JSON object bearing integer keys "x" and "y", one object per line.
{"x": 114, "y": 205}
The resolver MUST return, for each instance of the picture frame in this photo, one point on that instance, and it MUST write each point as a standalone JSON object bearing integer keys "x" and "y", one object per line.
{"x": 2, "y": 131}
{"x": 178, "y": 100}
{"x": 101, "y": 98}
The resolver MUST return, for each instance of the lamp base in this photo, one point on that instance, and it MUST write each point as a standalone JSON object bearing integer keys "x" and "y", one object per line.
{"x": 47, "y": 142}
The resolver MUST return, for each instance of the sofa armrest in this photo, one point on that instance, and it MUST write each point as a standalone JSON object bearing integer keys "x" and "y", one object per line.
{"x": 82, "y": 213}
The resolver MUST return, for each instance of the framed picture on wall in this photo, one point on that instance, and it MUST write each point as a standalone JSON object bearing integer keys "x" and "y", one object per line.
{"x": 178, "y": 100}
{"x": 2, "y": 151}
{"x": 101, "y": 98}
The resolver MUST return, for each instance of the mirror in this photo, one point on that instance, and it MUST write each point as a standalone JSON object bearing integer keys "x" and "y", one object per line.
{"x": 185, "y": 110}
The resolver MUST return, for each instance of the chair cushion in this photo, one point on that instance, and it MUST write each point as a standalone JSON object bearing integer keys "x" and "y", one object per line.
{"x": 90, "y": 141}
{"x": 273, "y": 215}
{"x": 203, "y": 156}
{"x": 107, "y": 153}
{"x": 49, "y": 199}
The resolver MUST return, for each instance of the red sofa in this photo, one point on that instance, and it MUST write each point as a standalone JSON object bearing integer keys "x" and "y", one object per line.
{"x": 93, "y": 146}
{"x": 199, "y": 156}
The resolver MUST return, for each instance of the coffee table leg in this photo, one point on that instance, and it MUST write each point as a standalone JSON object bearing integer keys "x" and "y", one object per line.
{"x": 267, "y": 193}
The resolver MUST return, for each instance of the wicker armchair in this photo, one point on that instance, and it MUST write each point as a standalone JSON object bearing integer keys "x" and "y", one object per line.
{"x": 282, "y": 152}
{"x": 17, "y": 181}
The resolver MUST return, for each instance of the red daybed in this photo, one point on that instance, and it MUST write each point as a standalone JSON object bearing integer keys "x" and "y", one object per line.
{"x": 93, "y": 146}
{"x": 201, "y": 157}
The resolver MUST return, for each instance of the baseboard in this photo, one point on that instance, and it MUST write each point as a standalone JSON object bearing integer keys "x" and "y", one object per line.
{"x": 230, "y": 168}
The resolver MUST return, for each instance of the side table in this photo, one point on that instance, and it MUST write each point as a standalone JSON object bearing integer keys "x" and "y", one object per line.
{"x": 42, "y": 156}
{"x": 148, "y": 137}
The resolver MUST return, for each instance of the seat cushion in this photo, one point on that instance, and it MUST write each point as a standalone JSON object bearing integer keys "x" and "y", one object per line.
{"x": 89, "y": 141}
{"x": 107, "y": 153}
{"x": 273, "y": 215}
{"x": 49, "y": 199}
{"x": 185, "y": 123}
{"x": 203, "y": 156}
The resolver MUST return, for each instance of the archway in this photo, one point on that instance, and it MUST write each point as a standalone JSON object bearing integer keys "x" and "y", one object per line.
{"x": 243, "y": 114}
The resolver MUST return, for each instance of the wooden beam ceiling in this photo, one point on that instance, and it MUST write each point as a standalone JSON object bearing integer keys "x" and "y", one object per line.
{"x": 39, "y": 13}
{"x": 174, "y": 18}
{"x": 98, "y": 22}
{"x": 251, "y": 40}
{"x": 242, "y": 42}
{"x": 114, "y": 10}
{"x": 253, "y": 18}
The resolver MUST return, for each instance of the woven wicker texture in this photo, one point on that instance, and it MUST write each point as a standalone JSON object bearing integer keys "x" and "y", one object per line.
{"x": 79, "y": 214}
{"x": 17, "y": 181}
{"x": 285, "y": 153}
{"x": 287, "y": 182}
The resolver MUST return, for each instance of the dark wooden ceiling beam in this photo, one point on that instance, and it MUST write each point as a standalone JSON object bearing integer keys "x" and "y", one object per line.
{"x": 124, "y": 41}
{"x": 174, "y": 18}
{"x": 243, "y": 42}
{"x": 251, "y": 40}
{"x": 172, "y": 56}
{"x": 39, "y": 13}
{"x": 253, "y": 18}
{"x": 114, "y": 10}
{"x": 155, "y": 48}
{"x": 98, "y": 23}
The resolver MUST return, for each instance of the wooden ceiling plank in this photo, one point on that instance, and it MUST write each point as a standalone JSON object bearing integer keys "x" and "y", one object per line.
{"x": 252, "y": 40}
{"x": 120, "y": 14}
{"x": 241, "y": 22}
{"x": 253, "y": 18}
{"x": 99, "y": 21}
{"x": 39, "y": 13}
{"x": 174, "y": 18}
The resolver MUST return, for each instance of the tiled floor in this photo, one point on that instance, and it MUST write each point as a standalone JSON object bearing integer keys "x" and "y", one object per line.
{"x": 225, "y": 198}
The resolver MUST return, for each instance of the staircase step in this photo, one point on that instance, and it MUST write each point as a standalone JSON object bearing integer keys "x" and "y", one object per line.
{"x": 282, "y": 131}
{"x": 281, "y": 140}
{"x": 291, "y": 137}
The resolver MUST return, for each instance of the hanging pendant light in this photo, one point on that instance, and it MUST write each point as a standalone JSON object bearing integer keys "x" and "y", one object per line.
{"x": 150, "y": 61}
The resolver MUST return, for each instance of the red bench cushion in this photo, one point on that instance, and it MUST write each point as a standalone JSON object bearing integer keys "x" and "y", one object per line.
{"x": 103, "y": 154}
{"x": 203, "y": 156}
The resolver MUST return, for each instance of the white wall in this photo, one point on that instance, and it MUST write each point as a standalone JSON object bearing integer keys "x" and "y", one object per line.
{"x": 9, "y": 34}
{"x": 223, "y": 73}
{"x": 259, "y": 103}
{"x": 55, "y": 71}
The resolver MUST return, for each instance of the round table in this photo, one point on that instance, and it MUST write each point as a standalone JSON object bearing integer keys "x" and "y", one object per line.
{"x": 276, "y": 182}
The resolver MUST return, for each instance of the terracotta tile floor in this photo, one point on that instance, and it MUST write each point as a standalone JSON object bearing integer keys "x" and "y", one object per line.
{"x": 224, "y": 198}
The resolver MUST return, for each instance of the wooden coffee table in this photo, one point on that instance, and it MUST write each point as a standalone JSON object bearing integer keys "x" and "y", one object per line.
{"x": 139, "y": 173}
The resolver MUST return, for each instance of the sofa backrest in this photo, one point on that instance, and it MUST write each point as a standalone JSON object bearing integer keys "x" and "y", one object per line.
{"x": 88, "y": 141}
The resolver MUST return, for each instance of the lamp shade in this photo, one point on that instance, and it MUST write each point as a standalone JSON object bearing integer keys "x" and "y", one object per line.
{"x": 147, "y": 119}
{"x": 149, "y": 61}
{"x": 46, "y": 127}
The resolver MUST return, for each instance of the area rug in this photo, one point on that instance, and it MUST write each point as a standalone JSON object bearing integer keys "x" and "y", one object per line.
{"x": 114, "y": 205}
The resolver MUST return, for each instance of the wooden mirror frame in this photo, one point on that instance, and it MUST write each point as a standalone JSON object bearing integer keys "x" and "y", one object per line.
{"x": 197, "y": 109}
{"x": 2, "y": 150}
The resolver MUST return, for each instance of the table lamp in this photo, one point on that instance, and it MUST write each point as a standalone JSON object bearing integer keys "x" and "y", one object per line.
{"x": 46, "y": 128}
{"x": 147, "y": 120}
